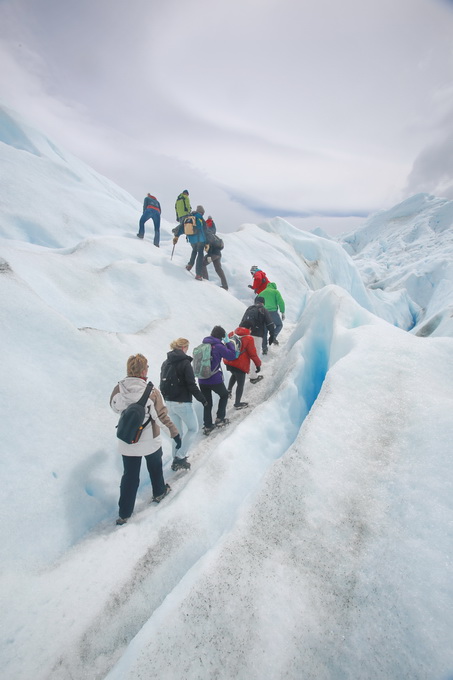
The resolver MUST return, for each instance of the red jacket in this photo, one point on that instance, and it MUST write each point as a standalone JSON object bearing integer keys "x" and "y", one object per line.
{"x": 248, "y": 351}
{"x": 260, "y": 281}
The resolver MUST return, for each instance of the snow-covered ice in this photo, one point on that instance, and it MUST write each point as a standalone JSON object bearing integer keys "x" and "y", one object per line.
{"x": 312, "y": 537}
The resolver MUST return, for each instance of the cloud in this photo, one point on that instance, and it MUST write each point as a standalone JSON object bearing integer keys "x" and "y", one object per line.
{"x": 305, "y": 108}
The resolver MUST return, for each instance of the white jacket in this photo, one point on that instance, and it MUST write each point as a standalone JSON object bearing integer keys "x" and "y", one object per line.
{"x": 129, "y": 391}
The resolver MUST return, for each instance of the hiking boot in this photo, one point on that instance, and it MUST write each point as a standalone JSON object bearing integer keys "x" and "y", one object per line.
{"x": 276, "y": 342}
{"x": 120, "y": 521}
{"x": 139, "y": 235}
{"x": 264, "y": 351}
{"x": 208, "y": 429}
{"x": 189, "y": 267}
{"x": 242, "y": 404}
{"x": 221, "y": 422}
{"x": 198, "y": 278}
{"x": 257, "y": 379}
{"x": 180, "y": 464}
{"x": 158, "y": 499}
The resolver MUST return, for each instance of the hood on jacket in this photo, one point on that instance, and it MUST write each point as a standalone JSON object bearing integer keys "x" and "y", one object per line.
{"x": 271, "y": 285}
{"x": 177, "y": 355}
{"x": 211, "y": 340}
{"x": 240, "y": 330}
{"x": 131, "y": 389}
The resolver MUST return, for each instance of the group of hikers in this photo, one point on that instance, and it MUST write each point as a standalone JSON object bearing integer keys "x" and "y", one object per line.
{"x": 200, "y": 233}
{"x": 171, "y": 404}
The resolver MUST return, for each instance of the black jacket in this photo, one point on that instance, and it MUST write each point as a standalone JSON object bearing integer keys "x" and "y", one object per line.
{"x": 184, "y": 371}
{"x": 260, "y": 319}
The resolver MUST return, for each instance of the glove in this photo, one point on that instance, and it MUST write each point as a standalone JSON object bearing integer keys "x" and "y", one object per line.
{"x": 175, "y": 240}
{"x": 283, "y": 317}
{"x": 257, "y": 369}
{"x": 249, "y": 286}
{"x": 177, "y": 441}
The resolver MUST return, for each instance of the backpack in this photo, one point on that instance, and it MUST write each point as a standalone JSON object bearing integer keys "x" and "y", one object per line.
{"x": 214, "y": 240}
{"x": 237, "y": 342}
{"x": 251, "y": 315}
{"x": 202, "y": 361}
{"x": 169, "y": 381}
{"x": 130, "y": 425}
{"x": 190, "y": 225}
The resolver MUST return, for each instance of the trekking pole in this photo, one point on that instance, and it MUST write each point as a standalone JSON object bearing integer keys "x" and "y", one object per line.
{"x": 174, "y": 246}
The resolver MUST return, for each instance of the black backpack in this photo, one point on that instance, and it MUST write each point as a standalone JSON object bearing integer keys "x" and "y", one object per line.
{"x": 169, "y": 381}
{"x": 130, "y": 425}
{"x": 214, "y": 240}
{"x": 252, "y": 316}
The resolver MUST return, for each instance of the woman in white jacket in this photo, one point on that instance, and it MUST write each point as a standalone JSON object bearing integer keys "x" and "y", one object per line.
{"x": 129, "y": 391}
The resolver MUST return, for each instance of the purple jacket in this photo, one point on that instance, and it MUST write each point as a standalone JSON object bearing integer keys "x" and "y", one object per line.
{"x": 219, "y": 351}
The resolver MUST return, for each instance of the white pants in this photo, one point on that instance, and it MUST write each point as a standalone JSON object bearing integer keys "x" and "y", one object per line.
{"x": 183, "y": 414}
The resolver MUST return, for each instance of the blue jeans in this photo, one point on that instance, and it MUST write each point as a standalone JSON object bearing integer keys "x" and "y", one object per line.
{"x": 276, "y": 318}
{"x": 183, "y": 414}
{"x": 131, "y": 480}
{"x": 155, "y": 217}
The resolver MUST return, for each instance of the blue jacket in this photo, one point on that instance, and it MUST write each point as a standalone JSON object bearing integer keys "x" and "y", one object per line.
{"x": 200, "y": 236}
{"x": 219, "y": 351}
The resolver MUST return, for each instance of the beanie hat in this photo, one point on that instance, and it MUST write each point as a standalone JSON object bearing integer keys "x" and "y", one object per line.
{"x": 200, "y": 209}
{"x": 259, "y": 298}
{"x": 185, "y": 192}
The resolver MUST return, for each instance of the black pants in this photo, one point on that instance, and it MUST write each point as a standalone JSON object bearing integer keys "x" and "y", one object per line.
{"x": 237, "y": 376}
{"x": 207, "y": 391}
{"x": 216, "y": 261}
{"x": 131, "y": 480}
{"x": 198, "y": 253}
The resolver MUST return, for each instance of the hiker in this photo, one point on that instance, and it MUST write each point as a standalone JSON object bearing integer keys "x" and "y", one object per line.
{"x": 177, "y": 386}
{"x": 128, "y": 391}
{"x": 221, "y": 348}
{"x": 214, "y": 253}
{"x": 274, "y": 303}
{"x": 241, "y": 366}
{"x": 257, "y": 318}
{"x": 197, "y": 240}
{"x": 151, "y": 211}
{"x": 182, "y": 208}
{"x": 260, "y": 280}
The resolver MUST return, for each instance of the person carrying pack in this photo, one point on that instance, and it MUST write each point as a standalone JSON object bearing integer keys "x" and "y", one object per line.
{"x": 178, "y": 386}
{"x": 257, "y": 318}
{"x": 220, "y": 348}
{"x": 182, "y": 207}
{"x": 151, "y": 210}
{"x": 214, "y": 253}
{"x": 196, "y": 238}
{"x": 149, "y": 445}
{"x": 240, "y": 366}
{"x": 260, "y": 280}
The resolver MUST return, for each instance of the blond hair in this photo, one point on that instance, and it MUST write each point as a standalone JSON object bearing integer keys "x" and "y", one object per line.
{"x": 179, "y": 343}
{"x": 136, "y": 365}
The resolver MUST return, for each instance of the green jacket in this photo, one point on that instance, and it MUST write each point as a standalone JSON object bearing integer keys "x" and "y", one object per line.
{"x": 273, "y": 301}
{"x": 182, "y": 206}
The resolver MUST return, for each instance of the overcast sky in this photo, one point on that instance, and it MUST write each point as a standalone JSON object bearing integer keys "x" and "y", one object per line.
{"x": 313, "y": 109}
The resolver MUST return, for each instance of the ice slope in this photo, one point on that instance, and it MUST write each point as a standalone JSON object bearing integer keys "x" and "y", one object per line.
{"x": 51, "y": 198}
{"x": 409, "y": 248}
{"x": 312, "y": 538}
